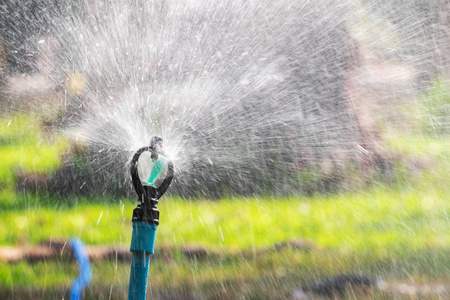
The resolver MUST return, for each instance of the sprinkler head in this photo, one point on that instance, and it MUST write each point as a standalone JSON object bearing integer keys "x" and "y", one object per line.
{"x": 149, "y": 190}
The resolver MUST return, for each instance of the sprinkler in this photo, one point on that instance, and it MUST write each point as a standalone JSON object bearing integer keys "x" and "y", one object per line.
{"x": 146, "y": 215}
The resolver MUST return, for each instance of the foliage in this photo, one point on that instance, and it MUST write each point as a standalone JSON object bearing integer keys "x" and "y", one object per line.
{"x": 436, "y": 108}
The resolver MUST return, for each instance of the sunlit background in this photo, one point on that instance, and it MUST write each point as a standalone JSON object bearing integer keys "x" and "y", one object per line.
{"x": 310, "y": 139}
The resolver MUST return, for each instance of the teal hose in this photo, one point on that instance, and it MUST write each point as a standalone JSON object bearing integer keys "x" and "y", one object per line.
{"x": 142, "y": 246}
{"x": 139, "y": 273}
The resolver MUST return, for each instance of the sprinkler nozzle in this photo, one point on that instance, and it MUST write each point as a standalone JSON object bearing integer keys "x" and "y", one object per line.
{"x": 158, "y": 160}
{"x": 156, "y": 146}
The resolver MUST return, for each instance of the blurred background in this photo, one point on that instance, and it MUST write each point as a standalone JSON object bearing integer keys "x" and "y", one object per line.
{"x": 310, "y": 140}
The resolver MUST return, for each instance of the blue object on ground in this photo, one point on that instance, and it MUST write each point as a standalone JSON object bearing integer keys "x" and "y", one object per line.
{"x": 85, "y": 269}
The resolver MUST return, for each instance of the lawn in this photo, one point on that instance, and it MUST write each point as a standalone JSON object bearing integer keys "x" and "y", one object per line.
{"x": 400, "y": 235}
{"x": 25, "y": 146}
{"x": 378, "y": 221}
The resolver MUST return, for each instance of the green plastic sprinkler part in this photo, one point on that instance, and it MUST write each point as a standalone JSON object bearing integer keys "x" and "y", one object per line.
{"x": 158, "y": 165}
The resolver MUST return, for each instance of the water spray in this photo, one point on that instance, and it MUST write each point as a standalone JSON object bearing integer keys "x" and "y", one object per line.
{"x": 146, "y": 215}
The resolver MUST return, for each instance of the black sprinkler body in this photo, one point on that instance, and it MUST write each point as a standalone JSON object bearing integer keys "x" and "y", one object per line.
{"x": 148, "y": 194}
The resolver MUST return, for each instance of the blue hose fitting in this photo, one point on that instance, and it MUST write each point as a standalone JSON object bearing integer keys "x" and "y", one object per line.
{"x": 142, "y": 246}
{"x": 143, "y": 237}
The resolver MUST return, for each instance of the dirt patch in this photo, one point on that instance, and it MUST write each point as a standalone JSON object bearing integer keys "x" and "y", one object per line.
{"x": 55, "y": 249}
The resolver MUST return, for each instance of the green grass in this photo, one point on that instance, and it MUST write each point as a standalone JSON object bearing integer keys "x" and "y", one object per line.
{"x": 377, "y": 221}
{"x": 436, "y": 108}
{"x": 25, "y": 146}
{"x": 419, "y": 145}
{"x": 260, "y": 276}
{"x": 401, "y": 235}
